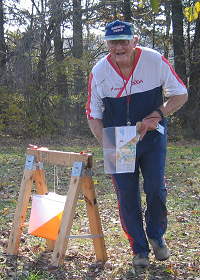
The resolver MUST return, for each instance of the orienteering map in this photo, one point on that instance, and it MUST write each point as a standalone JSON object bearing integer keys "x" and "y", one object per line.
{"x": 126, "y": 140}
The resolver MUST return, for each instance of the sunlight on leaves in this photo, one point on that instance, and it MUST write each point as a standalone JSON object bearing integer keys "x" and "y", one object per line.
{"x": 13, "y": 200}
{"x": 154, "y": 4}
{"x": 192, "y": 13}
{"x": 140, "y": 3}
{"x": 169, "y": 270}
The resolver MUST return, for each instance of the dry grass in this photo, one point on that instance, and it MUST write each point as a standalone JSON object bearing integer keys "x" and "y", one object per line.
{"x": 183, "y": 178}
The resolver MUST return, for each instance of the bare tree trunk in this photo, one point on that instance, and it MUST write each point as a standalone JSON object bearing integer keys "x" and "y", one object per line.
{"x": 178, "y": 39}
{"x": 192, "y": 108}
{"x": 61, "y": 86}
{"x": 78, "y": 52}
{"x": 54, "y": 24}
{"x": 168, "y": 24}
{"x": 2, "y": 45}
{"x": 127, "y": 10}
{"x": 77, "y": 29}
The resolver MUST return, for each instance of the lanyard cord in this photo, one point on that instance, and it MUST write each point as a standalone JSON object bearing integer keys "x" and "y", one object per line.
{"x": 127, "y": 95}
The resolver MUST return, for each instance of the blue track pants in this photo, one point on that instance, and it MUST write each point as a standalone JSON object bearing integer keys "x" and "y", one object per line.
{"x": 150, "y": 159}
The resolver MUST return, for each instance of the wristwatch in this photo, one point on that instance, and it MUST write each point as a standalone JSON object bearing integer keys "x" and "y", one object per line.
{"x": 160, "y": 113}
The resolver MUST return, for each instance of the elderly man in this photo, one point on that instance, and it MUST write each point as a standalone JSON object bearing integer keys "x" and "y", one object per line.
{"x": 125, "y": 87}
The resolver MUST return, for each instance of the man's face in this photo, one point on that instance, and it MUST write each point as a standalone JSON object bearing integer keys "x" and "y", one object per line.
{"x": 122, "y": 51}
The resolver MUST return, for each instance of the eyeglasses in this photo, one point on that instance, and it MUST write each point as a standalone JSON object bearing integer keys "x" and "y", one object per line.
{"x": 113, "y": 43}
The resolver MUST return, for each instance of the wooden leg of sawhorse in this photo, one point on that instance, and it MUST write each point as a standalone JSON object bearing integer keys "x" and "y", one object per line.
{"x": 68, "y": 215}
{"x": 93, "y": 215}
{"x": 40, "y": 180}
{"x": 66, "y": 222}
{"x": 20, "y": 212}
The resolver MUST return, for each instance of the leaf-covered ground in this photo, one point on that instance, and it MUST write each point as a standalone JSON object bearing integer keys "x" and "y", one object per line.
{"x": 182, "y": 236}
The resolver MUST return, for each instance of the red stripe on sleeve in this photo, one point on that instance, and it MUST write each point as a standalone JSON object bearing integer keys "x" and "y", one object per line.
{"x": 88, "y": 110}
{"x": 174, "y": 73}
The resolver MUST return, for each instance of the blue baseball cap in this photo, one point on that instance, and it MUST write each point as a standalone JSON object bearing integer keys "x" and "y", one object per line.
{"x": 119, "y": 30}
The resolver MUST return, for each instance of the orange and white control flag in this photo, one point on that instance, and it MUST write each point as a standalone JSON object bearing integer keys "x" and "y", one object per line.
{"x": 46, "y": 215}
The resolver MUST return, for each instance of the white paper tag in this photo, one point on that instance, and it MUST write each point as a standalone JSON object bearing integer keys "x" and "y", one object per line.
{"x": 160, "y": 129}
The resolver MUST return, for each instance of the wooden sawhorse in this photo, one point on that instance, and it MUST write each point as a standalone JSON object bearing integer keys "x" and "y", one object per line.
{"x": 81, "y": 164}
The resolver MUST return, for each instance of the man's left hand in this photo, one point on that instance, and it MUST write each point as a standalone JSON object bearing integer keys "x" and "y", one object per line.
{"x": 149, "y": 123}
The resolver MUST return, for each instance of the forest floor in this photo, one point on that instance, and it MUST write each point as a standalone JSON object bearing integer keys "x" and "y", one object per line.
{"x": 33, "y": 259}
